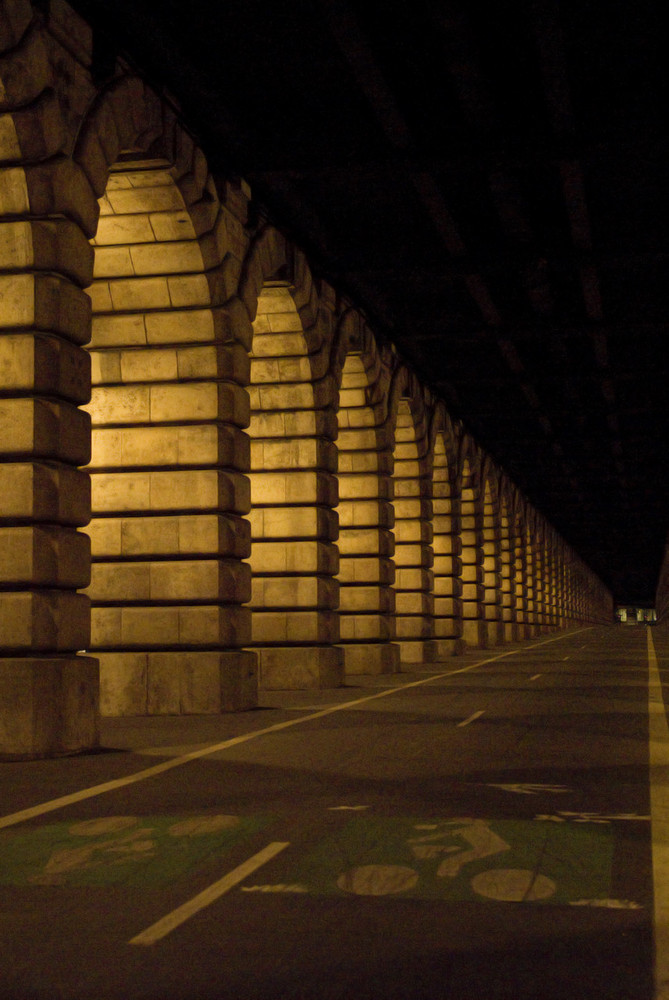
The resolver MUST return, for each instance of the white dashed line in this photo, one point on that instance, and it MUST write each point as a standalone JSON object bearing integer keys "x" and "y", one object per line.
{"x": 151, "y": 772}
{"x": 182, "y": 913}
{"x": 465, "y": 722}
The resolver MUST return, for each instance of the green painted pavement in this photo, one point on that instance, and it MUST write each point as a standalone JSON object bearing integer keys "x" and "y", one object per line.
{"x": 463, "y": 859}
{"x": 118, "y": 850}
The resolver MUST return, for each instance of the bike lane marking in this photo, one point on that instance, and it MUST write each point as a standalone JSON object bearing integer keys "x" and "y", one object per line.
{"x": 658, "y": 742}
{"x": 472, "y": 718}
{"x": 209, "y": 895}
{"x": 32, "y": 812}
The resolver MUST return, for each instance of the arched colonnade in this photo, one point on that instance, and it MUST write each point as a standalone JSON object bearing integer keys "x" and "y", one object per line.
{"x": 213, "y": 473}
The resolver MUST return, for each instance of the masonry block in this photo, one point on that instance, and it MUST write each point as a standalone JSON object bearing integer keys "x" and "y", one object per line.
{"x": 189, "y": 489}
{"x": 33, "y": 491}
{"x": 358, "y": 569}
{"x": 169, "y": 626}
{"x": 44, "y": 621}
{"x": 189, "y": 444}
{"x": 297, "y": 488}
{"x": 45, "y": 302}
{"x": 371, "y": 658}
{"x": 183, "y": 682}
{"x": 294, "y": 522}
{"x": 201, "y": 580}
{"x": 294, "y": 592}
{"x": 45, "y": 366}
{"x": 366, "y": 542}
{"x": 44, "y": 556}
{"x": 44, "y": 429}
{"x": 48, "y": 706}
{"x": 300, "y": 556}
{"x": 188, "y": 534}
{"x": 295, "y": 626}
{"x": 298, "y": 668}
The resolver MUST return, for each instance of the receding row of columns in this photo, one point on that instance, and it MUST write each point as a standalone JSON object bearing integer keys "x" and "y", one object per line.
{"x": 236, "y": 483}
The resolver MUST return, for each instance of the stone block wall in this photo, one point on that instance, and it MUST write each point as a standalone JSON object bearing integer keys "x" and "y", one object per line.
{"x": 237, "y": 480}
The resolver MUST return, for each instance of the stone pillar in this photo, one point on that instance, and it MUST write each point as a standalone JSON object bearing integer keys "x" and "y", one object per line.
{"x": 492, "y": 568}
{"x": 169, "y": 451}
{"x": 366, "y": 543}
{"x": 531, "y": 607}
{"x": 414, "y": 601}
{"x": 551, "y": 582}
{"x": 539, "y": 568}
{"x": 447, "y": 546}
{"x": 507, "y": 560}
{"x": 474, "y": 631}
{"x": 48, "y": 693}
{"x": 48, "y": 690}
{"x": 522, "y": 580}
{"x": 294, "y": 495}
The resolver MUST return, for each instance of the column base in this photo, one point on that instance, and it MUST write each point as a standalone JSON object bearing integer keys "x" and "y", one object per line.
{"x": 300, "y": 668}
{"x": 48, "y": 706}
{"x": 372, "y": 658}
{"x": 178, "y": 682}
{"x": 475, "y": 633}
{"x": 444, "y": 649}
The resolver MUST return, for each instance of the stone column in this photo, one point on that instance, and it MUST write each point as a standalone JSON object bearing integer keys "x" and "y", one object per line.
{"x": 474, "y": 631}
{"x": 507, "y": 559}
{"x": 366, "y": 543}
{"x": 48, "y": 693}
{"x": 294, "y": 494}
{"x": 492, "y": 568}
{"x": 414, "y": 601}
{"x": 447, "y": 546}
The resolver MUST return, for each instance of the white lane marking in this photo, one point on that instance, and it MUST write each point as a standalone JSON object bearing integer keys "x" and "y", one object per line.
{"x": 149, "y": 772}
{"x": 347, "y": 808}
{"x": 658, "y": 739}
{"x": 529, "y": 788}
{"x": 471, "y": 718}
{"x": 209, "y": 895}
{"x": 536, "y": 677}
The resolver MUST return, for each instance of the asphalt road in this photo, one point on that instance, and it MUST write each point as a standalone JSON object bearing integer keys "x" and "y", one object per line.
{"x": 477, "y": 829}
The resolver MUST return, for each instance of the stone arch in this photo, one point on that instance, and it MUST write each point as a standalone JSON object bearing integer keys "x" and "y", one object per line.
{"x": 366, "y": 543}
{"x": 168, "y": 410}
{"x": 474, "y": 632}
{"x": 293, "y": 471}
{"x": 492, "y": 554}
{"x": 446, "y": 540}
{"x": 412, "y": 504}
{"x": 532, "y": 564}
{"x": 508, "y": 551}
{"x": 523, "y": 567}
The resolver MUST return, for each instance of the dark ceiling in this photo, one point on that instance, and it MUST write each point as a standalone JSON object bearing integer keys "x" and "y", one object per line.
{"x": 489, "y": 182}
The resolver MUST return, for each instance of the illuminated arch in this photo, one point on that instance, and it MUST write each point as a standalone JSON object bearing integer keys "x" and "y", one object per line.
{"x": 366, "y": 543}
{"x": 474, "y": 632}
{"x": 168, "y": 410}
{"x": 412, "y": 504}
{"x": 446, "y": 541}
{"x": 295, "y": 626}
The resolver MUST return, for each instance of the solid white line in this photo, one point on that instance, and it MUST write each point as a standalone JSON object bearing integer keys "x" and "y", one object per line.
{"x": 182, "y": 913}
{"x": 149, "y": 772}
{"x": 465, "y": 722}
{"x": 658, "y": 739}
